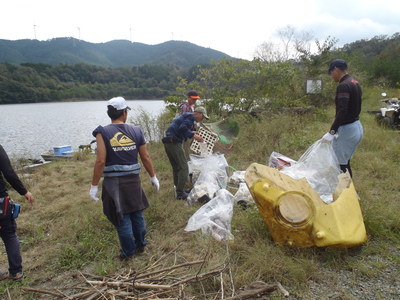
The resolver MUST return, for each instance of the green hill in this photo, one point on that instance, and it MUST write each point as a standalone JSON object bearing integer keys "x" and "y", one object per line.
{"x": 115, "y": 53}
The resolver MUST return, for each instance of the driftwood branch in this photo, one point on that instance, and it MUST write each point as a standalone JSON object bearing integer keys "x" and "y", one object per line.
{"x": 137, "y": 285}
{"x": 169, "y": 268}
{"x": 97, "y": 290}
{"x": 257, "y": 289}
{"x": 198, "y": 277}
{"x": 281, "y": 288}
{"x": 44, "y": 292}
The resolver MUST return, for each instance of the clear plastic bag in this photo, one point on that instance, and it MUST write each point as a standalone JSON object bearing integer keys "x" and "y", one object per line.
{"x": 212, "y": 177}
{"x": 236, "y": 178}
{"x": 214, "y": 218}
{"x": 243, "y": 195}
{"x": 320, "y": 167}
{"x": 279, "y": 161}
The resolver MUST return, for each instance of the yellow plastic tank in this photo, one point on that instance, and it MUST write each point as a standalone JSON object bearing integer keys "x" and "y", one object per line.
{"x": 296, "y": 215}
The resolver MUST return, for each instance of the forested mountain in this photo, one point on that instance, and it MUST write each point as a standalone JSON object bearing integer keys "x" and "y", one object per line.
{"x": 115, "y": 53}
{"x": 30, "y": 82}
{"x": 379, "y": 57}
{"x": 66, "y": 68}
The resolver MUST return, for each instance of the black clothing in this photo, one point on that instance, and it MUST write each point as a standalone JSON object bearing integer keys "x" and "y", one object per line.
{"x": 7, "y": 171}
{"x": 122, "y": 143}
{"x": 348, "y": 102}
{"x": 8, "y": 226}
{"x": 9, "y": 236}
{"x": 122, "y": 195}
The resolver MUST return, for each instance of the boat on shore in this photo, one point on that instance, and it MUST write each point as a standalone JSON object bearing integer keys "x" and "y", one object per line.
{"x": 58, "y": 153}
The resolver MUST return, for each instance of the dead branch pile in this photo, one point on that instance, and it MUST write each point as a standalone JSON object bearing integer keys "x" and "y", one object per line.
{"x": 157, "y": 281}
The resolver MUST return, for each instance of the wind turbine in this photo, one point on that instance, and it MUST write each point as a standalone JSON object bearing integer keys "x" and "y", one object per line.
{"x": 79, "y": 33}
{"x": 34, "y": 29}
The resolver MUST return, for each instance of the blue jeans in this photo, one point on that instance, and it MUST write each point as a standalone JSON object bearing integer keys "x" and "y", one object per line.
{"x": 9, "y": 236}
{"x": 131, "y": 233}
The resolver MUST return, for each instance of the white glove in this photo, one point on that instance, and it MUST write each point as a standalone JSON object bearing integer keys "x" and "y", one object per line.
{"x": 328, "y": 137}
{"x": 93, "y": 192}
{"x": 155, "y": 182}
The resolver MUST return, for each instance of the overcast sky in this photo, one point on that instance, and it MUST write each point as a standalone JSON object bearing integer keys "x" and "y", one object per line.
{"x": 232, "y": 26}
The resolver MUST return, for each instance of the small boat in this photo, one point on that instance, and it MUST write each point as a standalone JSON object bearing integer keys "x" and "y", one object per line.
{"x": 33, "y": 163}
{"x": 58, "y": 153}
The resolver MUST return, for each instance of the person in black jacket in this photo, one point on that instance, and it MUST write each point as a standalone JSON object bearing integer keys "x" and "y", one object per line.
{"x": 346, "y": 131}
{"x": 8, "y": 225}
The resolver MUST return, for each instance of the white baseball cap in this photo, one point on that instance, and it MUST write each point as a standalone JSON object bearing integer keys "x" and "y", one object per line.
{"x": 119, "y": 103}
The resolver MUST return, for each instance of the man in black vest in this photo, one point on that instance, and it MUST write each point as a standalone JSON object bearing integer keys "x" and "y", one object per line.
{"x": 118, "y": 147}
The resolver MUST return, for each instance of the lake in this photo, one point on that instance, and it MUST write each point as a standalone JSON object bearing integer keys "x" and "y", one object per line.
{"x": 27, "y": 130}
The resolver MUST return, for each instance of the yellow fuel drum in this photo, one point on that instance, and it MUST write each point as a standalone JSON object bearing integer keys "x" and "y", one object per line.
{"x": 296, "y": 215}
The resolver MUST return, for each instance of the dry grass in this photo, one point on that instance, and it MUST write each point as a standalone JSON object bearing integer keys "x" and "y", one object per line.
{"x": 65, "y": 231}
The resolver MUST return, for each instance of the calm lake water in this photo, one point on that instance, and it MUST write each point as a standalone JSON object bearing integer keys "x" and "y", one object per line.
{"x": 27, "y": 130}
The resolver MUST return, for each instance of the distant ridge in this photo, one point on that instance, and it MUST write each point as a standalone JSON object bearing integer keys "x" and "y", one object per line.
{"x": 115, "y": 53}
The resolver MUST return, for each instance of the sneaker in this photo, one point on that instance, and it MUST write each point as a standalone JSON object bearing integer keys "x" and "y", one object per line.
{"x": 182, "y": 195}
{"x": 6, "y": 275}
{"x": 123, "y": 257}
{"x": 139, "y": 250}
{"x": 17, "y": 276}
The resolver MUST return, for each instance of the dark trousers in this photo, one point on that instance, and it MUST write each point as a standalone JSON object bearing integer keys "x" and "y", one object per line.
{"x": 186, "y": 148}
{"x": 8, "y": 233}
{"x": 180, "y": 169}
{"x": 131, "y": 233}
{"x": 347, "y": 167}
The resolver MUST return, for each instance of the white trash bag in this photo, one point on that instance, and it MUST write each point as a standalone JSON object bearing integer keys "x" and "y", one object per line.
{"x": 236, "y": 178}
{"x": 320, "y": 166}
{"x": 243, "y": 195}
{"x": 214, "y": 217}
{"x": 213, "y": 176}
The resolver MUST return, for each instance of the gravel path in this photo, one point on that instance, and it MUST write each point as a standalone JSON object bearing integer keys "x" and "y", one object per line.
{"x": 379, "y": 279}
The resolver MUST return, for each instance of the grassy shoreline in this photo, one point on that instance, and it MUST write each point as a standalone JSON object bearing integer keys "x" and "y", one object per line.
{"x": 65, "y": 232}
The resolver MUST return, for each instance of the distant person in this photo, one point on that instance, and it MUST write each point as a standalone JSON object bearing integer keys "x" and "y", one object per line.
{"x": 8, "y": 225}
{"x": 188, "y": 106}
{"x": 118, "y": 147}
{"x": 346, "y": 131}
{"x": 178, "y": 131}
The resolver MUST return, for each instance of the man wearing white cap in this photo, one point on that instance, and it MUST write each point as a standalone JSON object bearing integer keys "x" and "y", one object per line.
{"x": 118, "y": 147}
